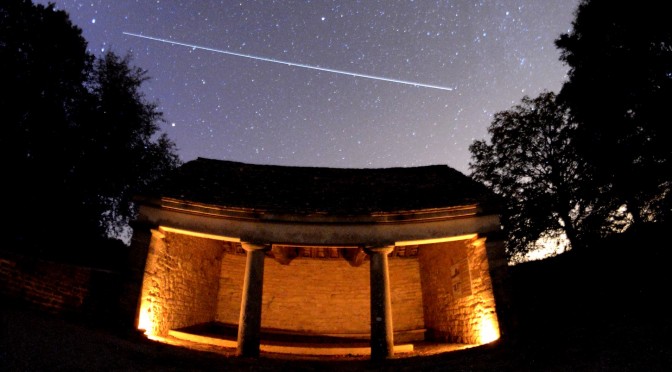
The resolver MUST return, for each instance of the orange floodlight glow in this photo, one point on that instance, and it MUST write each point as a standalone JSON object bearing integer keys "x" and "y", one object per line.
{"x": 489, "y": 330}
{"x": 146, "y": 319}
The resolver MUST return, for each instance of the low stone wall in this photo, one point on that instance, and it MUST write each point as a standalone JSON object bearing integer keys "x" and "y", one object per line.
{"x": 60, "y": 288}
{"x": 49, "y": 286}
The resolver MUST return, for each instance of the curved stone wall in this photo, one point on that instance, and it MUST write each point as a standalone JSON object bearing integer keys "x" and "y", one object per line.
{"x": 444, "y": 288}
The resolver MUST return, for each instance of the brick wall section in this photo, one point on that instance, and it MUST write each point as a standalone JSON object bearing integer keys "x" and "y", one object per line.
{"x": 457, "y": 290}
{"x": 181, "y": 282}
{"x": 322, "y": 296}
{"x": 50, "y": 286}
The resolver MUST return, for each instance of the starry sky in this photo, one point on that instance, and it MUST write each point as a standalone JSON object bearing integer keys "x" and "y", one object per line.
{"x": 468, "y": 60}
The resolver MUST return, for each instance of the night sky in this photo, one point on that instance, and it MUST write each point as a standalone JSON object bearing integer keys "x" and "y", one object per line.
{"x": 481, "y": 57}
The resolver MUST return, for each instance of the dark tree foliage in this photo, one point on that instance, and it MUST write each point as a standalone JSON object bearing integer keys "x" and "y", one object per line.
{"x": 619, "y": 91}
{"x": 79, "y": 139}
{"x": 119, "y": 154}
{"x": 532, "y": 164}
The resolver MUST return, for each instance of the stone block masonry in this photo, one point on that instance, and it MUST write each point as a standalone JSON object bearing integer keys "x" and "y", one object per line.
{"x": 457, "y": 292}
{"x": 327, "y": 296}
{"x": 181, "y": 282}
{"x": 445, "y": 289}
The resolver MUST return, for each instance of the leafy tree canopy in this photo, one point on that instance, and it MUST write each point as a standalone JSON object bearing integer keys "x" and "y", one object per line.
{"x": 531, "y": 163}
{"x": 80, "y": 139}
{"x": 619, "y": 91}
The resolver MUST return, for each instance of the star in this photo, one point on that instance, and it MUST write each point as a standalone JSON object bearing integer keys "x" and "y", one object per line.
{"x": 490, "y": 54}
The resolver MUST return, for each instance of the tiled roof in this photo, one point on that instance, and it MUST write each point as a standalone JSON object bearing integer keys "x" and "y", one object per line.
{"x": 309, "y": 190}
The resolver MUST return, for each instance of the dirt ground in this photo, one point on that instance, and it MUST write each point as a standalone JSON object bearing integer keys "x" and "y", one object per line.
{"x": 32, "y": 341}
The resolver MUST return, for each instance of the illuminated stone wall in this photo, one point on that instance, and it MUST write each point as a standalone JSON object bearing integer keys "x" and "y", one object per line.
{"x": 457, "y": 291}
{"x": 181, "y": 282}
{"x": 231, "y": 288}
{"x": 407, "y": 305}
{"x": 324, "y": 296}
{"x": 446, "y": 289}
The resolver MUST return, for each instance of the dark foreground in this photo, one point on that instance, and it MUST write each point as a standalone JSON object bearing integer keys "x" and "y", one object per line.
{"x": 602, "y": 311}
{"x": 35, "y": 342}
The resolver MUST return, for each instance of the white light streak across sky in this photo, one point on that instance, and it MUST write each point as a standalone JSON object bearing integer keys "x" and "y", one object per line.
{"x": 356, "y": 84}
{"x": 294, "y": 64}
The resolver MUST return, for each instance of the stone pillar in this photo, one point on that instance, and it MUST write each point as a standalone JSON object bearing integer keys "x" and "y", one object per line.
{"x": 382, "y": 332}
{"x": 249, "y": 324}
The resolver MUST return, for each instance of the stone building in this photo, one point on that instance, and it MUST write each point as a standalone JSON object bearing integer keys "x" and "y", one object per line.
{"x": 392, "y": 255}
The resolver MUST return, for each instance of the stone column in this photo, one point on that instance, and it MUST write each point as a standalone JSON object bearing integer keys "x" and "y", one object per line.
{"x": 249, "y": 324}
{"x": 382, "y": 332}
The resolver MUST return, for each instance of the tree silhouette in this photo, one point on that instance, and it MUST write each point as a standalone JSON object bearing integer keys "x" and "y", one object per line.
{"x": 79, "y": 137}
{"x": 532, "y": 164}
{"x": 118, "y": 155}
{"x": 619, "y": 91}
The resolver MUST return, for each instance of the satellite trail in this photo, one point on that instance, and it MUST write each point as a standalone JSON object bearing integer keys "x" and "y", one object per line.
{"x": 380, "y": 78}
